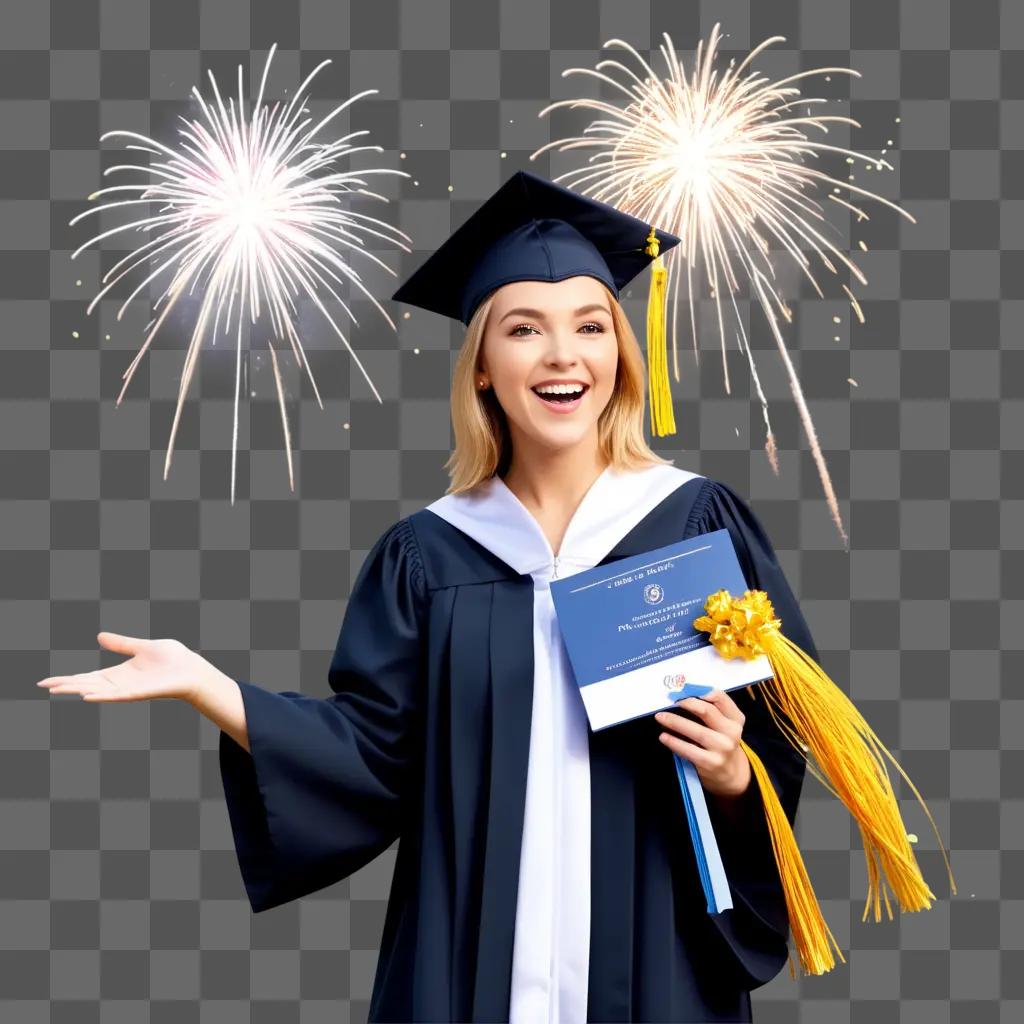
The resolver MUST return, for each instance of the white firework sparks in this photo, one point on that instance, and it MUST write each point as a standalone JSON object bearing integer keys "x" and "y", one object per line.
{"x": 250, "y": 215}
{"x": 718, "y": 161}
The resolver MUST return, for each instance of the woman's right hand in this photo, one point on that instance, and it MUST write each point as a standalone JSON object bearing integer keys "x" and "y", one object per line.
{"x": 156, "y": 668}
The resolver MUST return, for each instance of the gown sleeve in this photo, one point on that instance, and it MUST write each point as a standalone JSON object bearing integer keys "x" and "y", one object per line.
{"x": 757, "y": 928}
{"x": 321, "y": 791}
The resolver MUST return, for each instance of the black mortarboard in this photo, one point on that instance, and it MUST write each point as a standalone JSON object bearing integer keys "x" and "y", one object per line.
{"x": 530, "y": 230}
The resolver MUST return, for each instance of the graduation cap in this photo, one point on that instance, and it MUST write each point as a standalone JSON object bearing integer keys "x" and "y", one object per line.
{"x": 534, "y": 230}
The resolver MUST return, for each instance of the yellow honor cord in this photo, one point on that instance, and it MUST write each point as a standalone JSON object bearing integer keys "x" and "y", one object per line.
{"x": 848, "y": 753}
{"x": 659, "y": 393}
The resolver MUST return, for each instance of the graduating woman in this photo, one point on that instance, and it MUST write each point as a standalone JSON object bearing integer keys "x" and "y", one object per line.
{"x": 545, "y": 873}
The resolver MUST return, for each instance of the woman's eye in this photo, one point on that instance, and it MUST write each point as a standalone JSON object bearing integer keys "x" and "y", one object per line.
{"x": 598, "y": 329}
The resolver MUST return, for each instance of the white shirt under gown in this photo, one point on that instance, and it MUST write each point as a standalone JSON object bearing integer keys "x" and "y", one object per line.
{"x": 552, "y": 935}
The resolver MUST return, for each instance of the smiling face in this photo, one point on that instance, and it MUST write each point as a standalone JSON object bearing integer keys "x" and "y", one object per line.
{"x": 546, "y": 336}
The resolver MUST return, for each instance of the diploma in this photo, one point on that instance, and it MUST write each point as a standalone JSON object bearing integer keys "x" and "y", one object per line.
{"x": 628, "y": 631}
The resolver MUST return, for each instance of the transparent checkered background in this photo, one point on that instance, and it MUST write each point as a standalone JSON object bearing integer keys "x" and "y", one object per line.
{"x": 120, "y": 896}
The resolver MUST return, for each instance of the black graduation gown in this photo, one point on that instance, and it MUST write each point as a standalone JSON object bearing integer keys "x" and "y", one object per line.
{"x": 426, "y": 737}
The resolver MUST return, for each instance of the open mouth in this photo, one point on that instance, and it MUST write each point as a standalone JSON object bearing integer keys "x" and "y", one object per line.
{"x": 567, "y": 401}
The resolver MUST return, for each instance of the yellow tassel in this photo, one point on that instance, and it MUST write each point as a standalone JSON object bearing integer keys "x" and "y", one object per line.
{"x": 848, "y": 753}
{"x": 660, "y": 395}
{"x": 805, "y": 918}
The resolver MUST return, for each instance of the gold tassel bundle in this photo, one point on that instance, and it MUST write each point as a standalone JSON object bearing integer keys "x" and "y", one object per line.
{"x": 660, "y": 395}
{"x": 847, "y": 752}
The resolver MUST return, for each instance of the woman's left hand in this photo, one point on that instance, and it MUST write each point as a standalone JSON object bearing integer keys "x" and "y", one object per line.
{"x": 712, "y": 744}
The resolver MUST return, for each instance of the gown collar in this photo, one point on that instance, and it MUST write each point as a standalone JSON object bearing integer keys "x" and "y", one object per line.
{"x": 617, "y": 500}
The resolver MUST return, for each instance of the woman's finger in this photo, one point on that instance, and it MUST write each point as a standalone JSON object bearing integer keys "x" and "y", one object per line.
{"x": 716, "y": 708}
{"x": 67, "y": 685}
{"x": 60, "y": 684}
{"x": 107, "y": 694}
{"x": 119, "y": 643}
{"x": 106, "y": 684}
{"x": 706, "y": 712}
{"x": 722, "y": 700}
{"x": 697, "y": 732}
{"x": 81, "y": 682}
{"x": 709, "y": 760}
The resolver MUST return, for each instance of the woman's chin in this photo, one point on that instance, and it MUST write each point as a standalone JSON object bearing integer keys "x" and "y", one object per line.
{"x": 559, "y": 435}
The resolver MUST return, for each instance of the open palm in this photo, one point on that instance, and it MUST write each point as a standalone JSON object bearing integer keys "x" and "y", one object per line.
{"x": 155, "y": 668}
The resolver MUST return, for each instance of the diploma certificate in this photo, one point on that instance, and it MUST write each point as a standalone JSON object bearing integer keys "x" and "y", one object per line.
{"x": 628, "y": 628}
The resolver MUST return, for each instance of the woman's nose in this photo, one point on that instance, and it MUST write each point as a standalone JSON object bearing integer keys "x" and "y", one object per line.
{"x": 561, "y": 348}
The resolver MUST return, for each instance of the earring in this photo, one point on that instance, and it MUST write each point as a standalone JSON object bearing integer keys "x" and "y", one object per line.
{"x": 483, "y": 383}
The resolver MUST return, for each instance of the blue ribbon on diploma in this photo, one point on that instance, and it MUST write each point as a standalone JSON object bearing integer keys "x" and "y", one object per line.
{"x": 705, "y": 846}
{"x": 628, "y": 630}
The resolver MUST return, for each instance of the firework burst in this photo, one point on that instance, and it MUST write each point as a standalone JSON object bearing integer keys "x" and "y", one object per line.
{"x": 250, "y": 216}
{"x": 718, "y": 161}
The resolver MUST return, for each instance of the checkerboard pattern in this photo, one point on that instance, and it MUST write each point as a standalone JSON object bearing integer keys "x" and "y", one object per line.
{"x": 120, "y": 897}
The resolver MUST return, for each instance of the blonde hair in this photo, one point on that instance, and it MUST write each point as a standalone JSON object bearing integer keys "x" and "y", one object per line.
{"x": 483, "y": 444}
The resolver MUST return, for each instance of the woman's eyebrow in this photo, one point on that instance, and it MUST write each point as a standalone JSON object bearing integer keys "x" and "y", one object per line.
{"x": 538, "y": 315}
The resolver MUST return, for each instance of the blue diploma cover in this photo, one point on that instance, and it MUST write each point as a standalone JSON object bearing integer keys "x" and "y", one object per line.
{"x": 628, "y": 630}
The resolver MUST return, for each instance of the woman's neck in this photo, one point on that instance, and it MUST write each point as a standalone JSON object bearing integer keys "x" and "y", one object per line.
{"x": 551, "y": 488}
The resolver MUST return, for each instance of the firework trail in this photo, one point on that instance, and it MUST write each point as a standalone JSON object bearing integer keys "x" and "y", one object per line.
{"x": 249, "y": 214}
{"x": 717, "y": 160}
